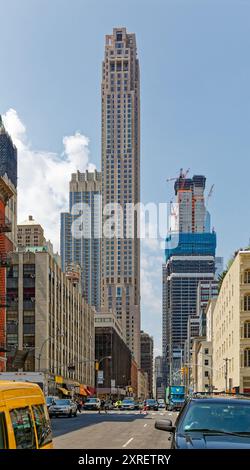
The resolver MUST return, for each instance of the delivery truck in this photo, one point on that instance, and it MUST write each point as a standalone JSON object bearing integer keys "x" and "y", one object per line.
{"x": 175, "y": 397}
{"x": 40, "y": 378}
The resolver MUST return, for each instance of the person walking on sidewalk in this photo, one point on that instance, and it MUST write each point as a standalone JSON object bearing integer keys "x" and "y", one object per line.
{"x": 103, "y": 406}
{"x": 144, "y": 409}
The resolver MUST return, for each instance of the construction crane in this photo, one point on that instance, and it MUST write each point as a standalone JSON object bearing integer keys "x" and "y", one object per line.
{"x": 182, "y": 176}
{"x": 210, "y": 193}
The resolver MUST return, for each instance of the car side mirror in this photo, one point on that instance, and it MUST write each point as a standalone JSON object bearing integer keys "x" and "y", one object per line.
{"x": 165, "y": 425}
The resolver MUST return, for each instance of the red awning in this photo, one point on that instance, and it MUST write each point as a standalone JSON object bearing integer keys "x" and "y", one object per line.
{"x": 91, "y": 391}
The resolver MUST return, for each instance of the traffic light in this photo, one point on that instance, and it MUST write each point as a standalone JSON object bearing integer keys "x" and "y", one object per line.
{"x": 96, "y": 365}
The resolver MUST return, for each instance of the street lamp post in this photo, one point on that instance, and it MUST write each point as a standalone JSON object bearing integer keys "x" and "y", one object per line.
{"x": 226, "y": 373}
{"x": 41, "y": 349}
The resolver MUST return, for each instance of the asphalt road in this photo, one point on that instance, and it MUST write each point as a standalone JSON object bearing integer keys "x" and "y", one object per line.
{"x": 114, "y": 430}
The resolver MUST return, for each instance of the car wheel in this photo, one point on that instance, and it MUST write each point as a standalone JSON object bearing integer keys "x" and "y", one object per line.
{"x": 75, "y": 414}
{"x": 70, "y": 414}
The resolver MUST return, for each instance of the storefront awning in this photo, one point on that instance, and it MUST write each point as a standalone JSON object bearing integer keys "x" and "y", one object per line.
{"x": 91, "y": 390}
{"x": 64, "y": 391}
{"x": 83, "y": 391}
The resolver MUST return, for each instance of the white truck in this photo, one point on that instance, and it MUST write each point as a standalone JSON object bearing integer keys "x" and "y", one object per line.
{"x": 39, "y": 378}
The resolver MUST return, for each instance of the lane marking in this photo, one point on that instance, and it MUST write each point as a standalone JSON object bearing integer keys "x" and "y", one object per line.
{"x": 125, "y": 445}
{"x": 145, "y": 425}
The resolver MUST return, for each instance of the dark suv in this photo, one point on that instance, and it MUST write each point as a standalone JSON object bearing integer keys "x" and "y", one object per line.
{"x": 152, "y": 404}
{"x": 211, "y": 423}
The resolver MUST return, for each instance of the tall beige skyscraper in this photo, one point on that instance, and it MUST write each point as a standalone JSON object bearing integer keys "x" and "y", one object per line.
{"x": 121, "y": 180}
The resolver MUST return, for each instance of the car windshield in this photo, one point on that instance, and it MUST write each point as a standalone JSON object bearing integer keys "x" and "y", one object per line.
{"x": 50, "y": 400}
{"x": 151, "y": 402}
{"x": 62, "y": 402}
{"x": 129, "y": 402}
{"x": 221, "y": 417}
{"x": 91, "y": 400}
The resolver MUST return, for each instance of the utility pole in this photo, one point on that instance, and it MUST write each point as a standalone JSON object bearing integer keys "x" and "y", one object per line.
{"x": 226, "y": 373}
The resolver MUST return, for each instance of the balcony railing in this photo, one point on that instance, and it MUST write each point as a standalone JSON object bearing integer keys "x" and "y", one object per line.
{"x": 5, "y": 225}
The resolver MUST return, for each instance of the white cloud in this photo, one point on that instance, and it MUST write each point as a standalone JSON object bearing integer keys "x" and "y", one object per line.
{"x": 43, "y": 177}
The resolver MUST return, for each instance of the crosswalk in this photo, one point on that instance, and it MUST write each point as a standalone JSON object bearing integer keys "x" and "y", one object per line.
{"x": 136, "y": 412}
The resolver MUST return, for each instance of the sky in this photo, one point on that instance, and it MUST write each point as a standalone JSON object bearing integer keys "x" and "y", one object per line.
{"x": 195, "y": 108}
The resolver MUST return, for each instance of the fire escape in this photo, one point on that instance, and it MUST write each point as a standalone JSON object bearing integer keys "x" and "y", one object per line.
{"x": 5, "y": 227}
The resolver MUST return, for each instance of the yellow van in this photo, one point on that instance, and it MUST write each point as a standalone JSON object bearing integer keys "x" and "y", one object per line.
{"x": 24, "y": 418}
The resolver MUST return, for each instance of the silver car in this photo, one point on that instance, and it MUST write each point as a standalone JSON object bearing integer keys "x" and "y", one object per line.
{"x": 63, "y": 407}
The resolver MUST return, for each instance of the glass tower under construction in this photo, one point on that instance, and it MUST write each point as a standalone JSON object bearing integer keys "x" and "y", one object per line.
{"x": 189, "y": 259}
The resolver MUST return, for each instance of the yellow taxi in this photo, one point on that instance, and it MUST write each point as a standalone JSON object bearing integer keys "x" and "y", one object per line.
{"x": 24, "y": 418}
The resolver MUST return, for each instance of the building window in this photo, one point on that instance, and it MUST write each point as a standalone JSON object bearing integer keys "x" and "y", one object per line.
{"x": 206, "y": 362}
{"x": 206, "y": 373}
{"x": 206, "y": 351}
{"x": 247, "y": 358}
{"x": 247, "y": 303}
{"x": 247, "y": 276}
{"x": 247, "y": 329}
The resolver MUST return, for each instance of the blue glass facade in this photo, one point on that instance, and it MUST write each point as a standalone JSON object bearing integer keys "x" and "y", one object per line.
{"x": 190, "y": 244}
{"x": 8, "y": 156}
{"x": 84, "y": 250}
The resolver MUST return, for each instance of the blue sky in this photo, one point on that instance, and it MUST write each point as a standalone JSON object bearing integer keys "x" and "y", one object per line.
{"x": 195, "y": 106}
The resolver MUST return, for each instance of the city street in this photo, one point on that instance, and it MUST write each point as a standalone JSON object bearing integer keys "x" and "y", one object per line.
{"x": 115, "y": 430}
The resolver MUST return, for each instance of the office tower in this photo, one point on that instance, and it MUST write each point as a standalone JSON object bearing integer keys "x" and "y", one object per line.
{"x": 206, "y": 291}
{"x": 30, "y": 233}
{"x": 159, "y": 385}
{"x": 219, "y": 266}
{"x": 8, "y": 197}
{"x": 190, "y": 258}
{"x": 147, "y": 354}
{"x": 113, "y": 353}
{"x": 8, "y": 171}
{"x": 164, "y": 323}
{"x": 121, "y": 181}
{"x": 49, "y": 324}
{"x": 81, "y": 232}
{"x": 8, "y": 156}
{"x": 6, "y": 193}
{"x": 231, "y": 328}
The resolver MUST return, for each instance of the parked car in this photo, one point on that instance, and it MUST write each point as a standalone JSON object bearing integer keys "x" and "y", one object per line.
{"x": 92, "y": 404}
{"x": 161, "y": 403}
{"x": 152, "y": 404}
{"x": 63, "y": 407}
{"x": 210, "y": 423}
{"x": 118, "y": 404}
